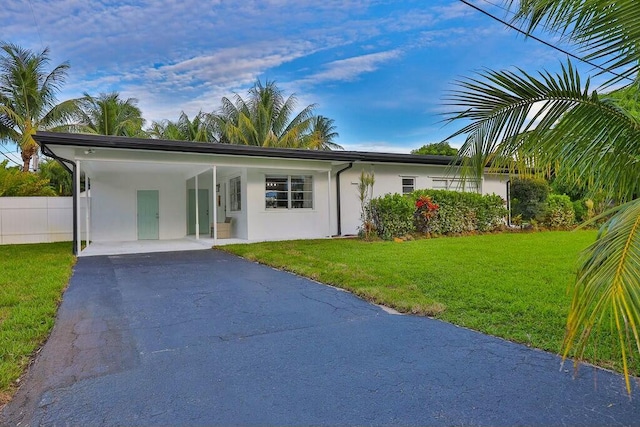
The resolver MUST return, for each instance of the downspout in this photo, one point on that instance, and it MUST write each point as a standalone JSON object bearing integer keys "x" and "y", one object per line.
{"x": 63, "y": 162}
{"x": 338, "y": 197}
{"x": 509, "y": 203}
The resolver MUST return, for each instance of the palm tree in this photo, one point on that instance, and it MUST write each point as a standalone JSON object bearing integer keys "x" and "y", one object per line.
{"x": 264, "y": 119}
{"x": 28, "y": 97}
{"x": 323, "y": 131}
{"x": 556, "y": 120}
{"x": 200, "y": 129}
{"x": 108, "y": 114}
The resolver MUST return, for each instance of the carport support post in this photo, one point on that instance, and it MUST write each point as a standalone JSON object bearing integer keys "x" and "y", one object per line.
{"x": 77, "y": 199}
{"x": 329, "y": 202}
{"x": 86, "y": 207}
{"x": 215, "y": 206}
{"x": 197, "y": 213}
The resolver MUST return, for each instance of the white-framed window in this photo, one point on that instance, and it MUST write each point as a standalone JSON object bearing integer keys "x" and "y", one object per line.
{"x": 288, "y": 192}
{"x": 454, "y": 184}
{"x": 408, "y": 184}
{"x": 235, "y": 194}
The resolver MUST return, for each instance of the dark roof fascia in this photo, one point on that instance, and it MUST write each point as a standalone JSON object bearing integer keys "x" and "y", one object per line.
{"x": 119, "y": 142}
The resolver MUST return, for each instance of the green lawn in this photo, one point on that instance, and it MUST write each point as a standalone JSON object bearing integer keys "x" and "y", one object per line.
{"x": 511, "y": 285}
{"x": 32, "y": 279}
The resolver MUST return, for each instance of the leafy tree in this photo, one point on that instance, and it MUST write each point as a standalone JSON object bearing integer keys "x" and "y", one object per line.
{"x": 200, "y": 129}
{"x": 528, "y": 197}
{"x": 14, "y": 183}
{"x": 436, "y": 149}
{"x": 586, "y": 138}
{"x": 323, "y": 132}
{"x": 264, "y": 119}
{"x": 108, "y": 114}
{"x": 28, "y": 97}
{"x": 59, "y": 178}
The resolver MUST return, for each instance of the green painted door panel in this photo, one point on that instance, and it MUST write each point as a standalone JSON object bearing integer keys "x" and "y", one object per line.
{"x": 148, "y": 215}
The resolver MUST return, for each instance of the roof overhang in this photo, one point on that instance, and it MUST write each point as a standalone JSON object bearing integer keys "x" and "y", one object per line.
{"x": 62, "y": 144}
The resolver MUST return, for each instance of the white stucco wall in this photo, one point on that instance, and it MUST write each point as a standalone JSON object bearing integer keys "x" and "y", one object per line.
{"x": 114, "y": 205}
{"x": 268, "y": 224}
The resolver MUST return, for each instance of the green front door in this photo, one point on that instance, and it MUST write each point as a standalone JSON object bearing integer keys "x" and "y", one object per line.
{"x": 203, "y": 211}
{"x": 148, "y": 215}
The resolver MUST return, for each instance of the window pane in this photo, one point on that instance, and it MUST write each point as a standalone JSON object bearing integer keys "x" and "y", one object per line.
{"x": 235, "y": 194}
{"x": 408, "y": 185}
{"x": 276, "y": 192}
{"x": 301, "y": 192}
{"x": 440, "y": 184}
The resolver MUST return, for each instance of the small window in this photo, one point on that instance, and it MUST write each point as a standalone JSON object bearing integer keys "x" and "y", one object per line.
{"x": 440, "y": 184}
{"x": 235, "y": 194}
{"x": 408, "y": 185}
{"x": 469, "y": 186}
{"x": 288, "y": 191}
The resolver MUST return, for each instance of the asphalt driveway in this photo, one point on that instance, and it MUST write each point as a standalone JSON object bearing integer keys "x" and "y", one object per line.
{"x": 203, "y": 337}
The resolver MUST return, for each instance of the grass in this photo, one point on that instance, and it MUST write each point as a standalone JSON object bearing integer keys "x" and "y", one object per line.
{"x": 511, "y": 285}
{"x": 31, "y": 284}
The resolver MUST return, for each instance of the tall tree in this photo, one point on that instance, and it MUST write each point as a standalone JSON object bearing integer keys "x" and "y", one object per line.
{"x": 586, "y": 137}
{"x": 323, "y": 132}
{"x": 264, "y": 119}
{"x": 436, "y": 149}
{"x": 28, "y": 97}
{"x": 200, "y": 129}
{"x": 108, "y": 114}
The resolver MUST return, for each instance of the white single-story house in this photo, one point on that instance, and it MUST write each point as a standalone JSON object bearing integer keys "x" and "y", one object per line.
{"x": 146, "y": 189}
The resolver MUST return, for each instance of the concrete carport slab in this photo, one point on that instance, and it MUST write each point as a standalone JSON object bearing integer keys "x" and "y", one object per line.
{"x": 206, "y": 338}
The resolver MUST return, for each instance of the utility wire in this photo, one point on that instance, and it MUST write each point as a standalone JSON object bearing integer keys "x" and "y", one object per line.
{"x": 608, "y": 70}
{"x": 33, "y": 15}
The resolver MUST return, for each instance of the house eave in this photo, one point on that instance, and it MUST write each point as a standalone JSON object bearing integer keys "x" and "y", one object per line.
{"x": 125, "y": 143}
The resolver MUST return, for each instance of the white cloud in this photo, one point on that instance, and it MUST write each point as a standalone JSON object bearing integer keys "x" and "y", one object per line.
{"x": 350, "y": 68}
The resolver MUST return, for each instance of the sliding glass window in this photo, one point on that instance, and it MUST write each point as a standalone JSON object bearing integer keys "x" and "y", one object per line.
{"x": 289, "y": 192}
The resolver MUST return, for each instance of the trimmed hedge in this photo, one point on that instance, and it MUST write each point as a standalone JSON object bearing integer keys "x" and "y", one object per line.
{"x": 458, "y": 212}
{"x": 392, "y": 215}
{"x": 559, "y": 212}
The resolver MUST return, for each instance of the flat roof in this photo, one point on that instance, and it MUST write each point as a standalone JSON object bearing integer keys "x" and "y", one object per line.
{"x": 126, "y": 143}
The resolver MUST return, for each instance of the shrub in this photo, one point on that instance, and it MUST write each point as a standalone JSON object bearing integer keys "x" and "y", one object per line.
{"x": 392, "y": 215}
{"x": 14, "y": 182}
{"x": 528, "y": 197}
{"x": 559, "y": 212}
{"x": 425, "y": 213}
{"x": 460, "y": 212}
{"x": 580, "y": 210}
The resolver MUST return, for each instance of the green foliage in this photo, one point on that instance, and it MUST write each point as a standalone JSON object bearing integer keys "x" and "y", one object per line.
{"x": 580, "y": 210}
{"x": 461, "y": 212}
{"x": 392, "y": 215}
{"x": 59, "y": 178}
{"x": 28, "y": 97}
{"x": 15, "y": 183}
{"x": 108, "y": 114}
{"x": 436, "y": 149}
{"x": 32, "y": 280}
{"x": 266, "y": 119}
{"x": 448, "y": 212}
{"x": 528, "y": 197}
{"x": 559, "y": 212}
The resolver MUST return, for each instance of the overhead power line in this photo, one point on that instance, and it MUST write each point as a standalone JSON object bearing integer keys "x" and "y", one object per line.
{"x": 559, "y": 49}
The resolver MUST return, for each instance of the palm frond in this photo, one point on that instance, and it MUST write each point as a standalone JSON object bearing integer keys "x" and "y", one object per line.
{"x": 607, "y": 287}
{"x": 561, "y": 118}
{"x": 606, "y": 31}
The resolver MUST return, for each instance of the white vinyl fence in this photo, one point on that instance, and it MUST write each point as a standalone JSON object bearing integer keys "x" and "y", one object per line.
{"x": 38, "y": 219}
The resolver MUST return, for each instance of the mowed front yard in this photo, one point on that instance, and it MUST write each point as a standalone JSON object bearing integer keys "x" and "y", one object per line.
{"x": 32, "y": 278}
{"x": 511, "y": 285}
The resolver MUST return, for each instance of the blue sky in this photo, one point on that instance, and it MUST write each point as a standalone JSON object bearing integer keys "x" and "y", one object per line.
{"x": 378, "y": 68}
